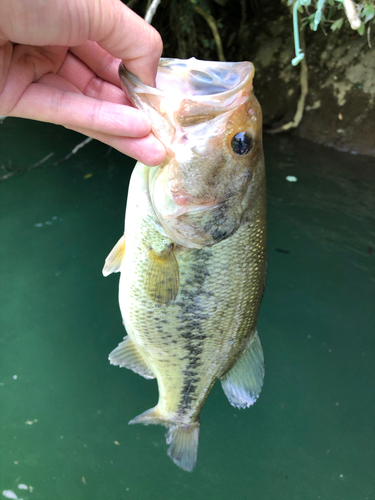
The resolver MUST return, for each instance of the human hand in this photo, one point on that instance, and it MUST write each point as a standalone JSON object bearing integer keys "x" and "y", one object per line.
{"x": 59, "y": 63}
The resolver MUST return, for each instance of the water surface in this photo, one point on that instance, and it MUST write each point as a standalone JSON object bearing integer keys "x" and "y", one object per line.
{"x": 64, "y": 409}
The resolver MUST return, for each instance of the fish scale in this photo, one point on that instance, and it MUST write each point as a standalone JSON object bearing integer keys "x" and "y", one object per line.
{"x": 193, "y": 265}
{"x": 215, "y": 310}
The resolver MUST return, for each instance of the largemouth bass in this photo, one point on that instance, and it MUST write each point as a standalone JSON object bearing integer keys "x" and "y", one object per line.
{"x": 194, "y": 265}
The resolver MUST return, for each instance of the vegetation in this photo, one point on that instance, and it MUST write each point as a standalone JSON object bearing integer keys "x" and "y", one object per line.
{"x": 218, "y": 29}
{"x": 334, "y": 15}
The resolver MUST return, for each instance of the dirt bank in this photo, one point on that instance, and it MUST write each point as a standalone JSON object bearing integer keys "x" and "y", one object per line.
{"x": 340, "y": 104}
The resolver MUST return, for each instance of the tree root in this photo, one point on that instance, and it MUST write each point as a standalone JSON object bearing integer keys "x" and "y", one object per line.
{"x": 301, "y": 102}
{"x": 151, "y": 9}
{"x": 74, "y": 150}
{"x": 212, "y": 24}
{"x": 10, "y": 173}
{"x": 303, "y": 78}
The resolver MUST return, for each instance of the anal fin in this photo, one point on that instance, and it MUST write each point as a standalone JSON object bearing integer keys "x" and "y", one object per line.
{"x": 126, "y": 355}
{"x": 244, "y": 381}
{"x": 148, "y": 417}
{"x": 114, "y": 260}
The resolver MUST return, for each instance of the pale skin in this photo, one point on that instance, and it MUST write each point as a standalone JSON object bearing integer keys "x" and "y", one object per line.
{"x": 59, "y": 61}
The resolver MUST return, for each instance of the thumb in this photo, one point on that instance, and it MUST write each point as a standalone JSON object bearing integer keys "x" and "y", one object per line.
{"x": 125, "y": 35}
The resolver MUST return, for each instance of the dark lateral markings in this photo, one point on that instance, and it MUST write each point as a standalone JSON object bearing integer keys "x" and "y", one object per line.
{"x": 191, "y": 316}
{"x": 282, "y": 250}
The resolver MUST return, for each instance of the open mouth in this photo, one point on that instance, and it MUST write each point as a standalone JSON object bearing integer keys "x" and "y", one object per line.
{"x": 187, "y": 92}
{"x": 192, "y": 79}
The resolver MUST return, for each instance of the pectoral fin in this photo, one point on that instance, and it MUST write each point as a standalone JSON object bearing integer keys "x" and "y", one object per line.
{"x": 162, "y": 275}
{"x": 126, "y": 355}
{"x": 115, "y": 258}
{"x": 244, "y": 381}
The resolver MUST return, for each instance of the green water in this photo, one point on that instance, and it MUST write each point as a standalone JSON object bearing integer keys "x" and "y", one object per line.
{"x": 64, "y": 409}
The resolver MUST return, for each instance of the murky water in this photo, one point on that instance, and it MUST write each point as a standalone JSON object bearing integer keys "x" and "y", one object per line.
{"x": 64, "y": 409}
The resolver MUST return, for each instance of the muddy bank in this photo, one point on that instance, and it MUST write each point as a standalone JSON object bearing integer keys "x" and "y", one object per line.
{"x": 340, "y": 104}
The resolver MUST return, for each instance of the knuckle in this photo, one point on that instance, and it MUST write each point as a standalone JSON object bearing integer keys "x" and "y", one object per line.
{"x": 94, "y": 87}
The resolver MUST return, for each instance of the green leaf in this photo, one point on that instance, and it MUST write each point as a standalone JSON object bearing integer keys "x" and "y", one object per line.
{"x": 308, "y": 20}
{"x": 368, "y": 12}
{"x": 361, "y": 29}
{"x": 337, "y": 24}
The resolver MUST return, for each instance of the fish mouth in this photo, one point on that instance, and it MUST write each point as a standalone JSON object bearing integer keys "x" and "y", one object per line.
{"x": 192, "y": 78}
{"x": 188, "y": 91}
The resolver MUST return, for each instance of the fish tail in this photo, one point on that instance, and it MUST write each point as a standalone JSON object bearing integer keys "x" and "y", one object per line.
{"x": 183, "y": 441}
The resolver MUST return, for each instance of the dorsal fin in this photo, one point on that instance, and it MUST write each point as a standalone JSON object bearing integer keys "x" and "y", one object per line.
{"x": 114, "y": 260}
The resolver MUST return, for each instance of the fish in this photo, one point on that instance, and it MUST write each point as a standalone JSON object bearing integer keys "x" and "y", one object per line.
{"x": 193, "y": 255}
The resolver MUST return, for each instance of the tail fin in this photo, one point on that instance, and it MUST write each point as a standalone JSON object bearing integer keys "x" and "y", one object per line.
{"x": 183, "y": 441}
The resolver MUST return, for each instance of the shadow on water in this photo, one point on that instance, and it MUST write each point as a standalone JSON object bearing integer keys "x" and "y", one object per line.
{"x": 64, "y": 409}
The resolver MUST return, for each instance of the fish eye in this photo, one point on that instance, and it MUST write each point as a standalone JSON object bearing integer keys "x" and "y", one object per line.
{"x": 241, "y": 143}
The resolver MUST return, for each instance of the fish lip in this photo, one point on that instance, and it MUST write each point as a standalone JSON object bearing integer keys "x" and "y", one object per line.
{"x": 127, "y": 76}
{"x": 203, "y": 67}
